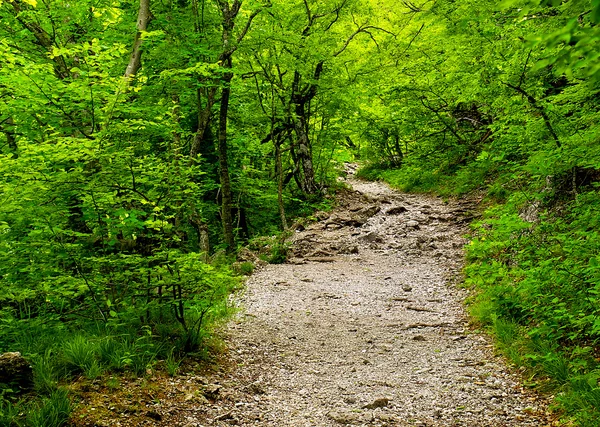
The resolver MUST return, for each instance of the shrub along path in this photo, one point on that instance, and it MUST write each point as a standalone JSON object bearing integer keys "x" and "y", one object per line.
{"x": 363, "y": 326}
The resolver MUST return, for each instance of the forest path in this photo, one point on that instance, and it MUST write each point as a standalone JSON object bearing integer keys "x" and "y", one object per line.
{"x": 364, "y": 326}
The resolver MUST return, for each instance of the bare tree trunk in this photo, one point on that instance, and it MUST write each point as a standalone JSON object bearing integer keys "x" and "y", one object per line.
{"x": 204, "y": 241}
{"x": 226, "y": 194}
{"x": 229, "y": 13}
{"x": 300, "y": 98}
{"x": 204, "y": 118}
{"x": 279, "y": 173}
{"x": 304, "y": 152}
{"x": 144, "y": 18}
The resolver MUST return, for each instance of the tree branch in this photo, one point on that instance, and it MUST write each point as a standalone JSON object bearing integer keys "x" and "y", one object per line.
{"x": 144, "y": 18}
{"x": 540, "y": 109}
{"x": 247, "y": 26}
{"x": 361, "y": 29}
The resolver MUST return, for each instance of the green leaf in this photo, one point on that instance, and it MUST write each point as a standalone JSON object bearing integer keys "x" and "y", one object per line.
{"x": 596, "y": 11}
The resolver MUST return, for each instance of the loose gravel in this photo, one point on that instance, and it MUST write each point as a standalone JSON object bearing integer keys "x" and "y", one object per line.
{"x": 365, "y": 326}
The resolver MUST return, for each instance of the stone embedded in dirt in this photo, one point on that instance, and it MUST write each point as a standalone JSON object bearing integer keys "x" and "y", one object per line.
{"x": 396, "y": 210}
{"x": 378, "y": 403}
{"x": 419, "y": 338}
{"x": 370, "y": 211}
{"x": 337, "y": 222}
{"x": 246, "y": 255}
{"x": 407, "y": 288}
{"x": 15, "y": 370}
{"x": 225, "y": 417}
{"x": 412, "y": 224}
{"x": 298, "y": 226}
{"x": 373, "y": 236}
{"x": 321, "y": 253}
{"x": 211, "y": 391}
{"x": 154, "y": 415}
{"x": 322, "y": 216}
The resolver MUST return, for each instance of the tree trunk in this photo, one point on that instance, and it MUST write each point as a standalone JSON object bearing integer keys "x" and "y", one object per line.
{"x": 43, "y": 38}
{"x": 204, "y": 118}
{"x": 229, "y": 15}
{"x": 304, "y": 152}
{"x": 144, "y": 18}
{"x": 300, "y": 99}
{"x": 226, "y": 194}
{"x": 279, "y": 173}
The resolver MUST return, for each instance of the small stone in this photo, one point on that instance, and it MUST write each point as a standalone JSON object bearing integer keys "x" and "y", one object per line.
{"x": 154, "y": 415}
{"x": 419, "y": 338}
{"x": 378, "y": 403}
{"x": 227, "y": 416}
{"x": 211, "y": 391}
{"x": 412, "y": 224}
{"x": 370, "y": 211}
{"x": 407, "y": 288}
{"x": 396, "y": 210}
{"x": 370, "y": 237}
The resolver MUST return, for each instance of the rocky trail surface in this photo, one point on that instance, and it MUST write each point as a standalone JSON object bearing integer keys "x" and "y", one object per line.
{"x": 363, "y": 326}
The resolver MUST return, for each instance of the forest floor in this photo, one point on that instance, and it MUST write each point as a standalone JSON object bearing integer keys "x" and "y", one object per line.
{"x": 364, "y": 325}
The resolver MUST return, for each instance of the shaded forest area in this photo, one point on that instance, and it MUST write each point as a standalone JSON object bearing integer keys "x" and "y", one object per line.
{"x": 144, "y": 143}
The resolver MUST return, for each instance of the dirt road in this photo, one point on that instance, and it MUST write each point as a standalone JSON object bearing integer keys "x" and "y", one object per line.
{"x": 365, "y": 326}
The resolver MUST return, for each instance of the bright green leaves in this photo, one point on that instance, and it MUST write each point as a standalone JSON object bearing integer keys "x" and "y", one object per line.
{"x": 32, "y": 3}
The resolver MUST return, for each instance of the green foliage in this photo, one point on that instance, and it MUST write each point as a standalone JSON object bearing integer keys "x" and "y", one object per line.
{"x": 542, "y": 279}
{"x": 111, "y": 210}
{"x": 172, "y": 363}
{"x": 9, "y": 414}
{"x": 274, "y": 249}
{"x": 246, "y": 268}
{"x": 79, "y": 355}
{"x": 52, "y": 412}
{"x": 111, "y": 187}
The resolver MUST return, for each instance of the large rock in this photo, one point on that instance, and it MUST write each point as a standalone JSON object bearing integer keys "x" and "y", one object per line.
{"x": 16, "y": 371}
{"x": 396, "y": 210}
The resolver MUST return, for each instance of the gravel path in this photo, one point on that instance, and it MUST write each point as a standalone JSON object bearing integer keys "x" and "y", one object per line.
{"x": 365, "y": 326}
